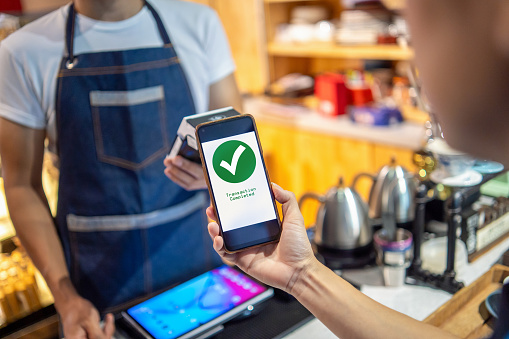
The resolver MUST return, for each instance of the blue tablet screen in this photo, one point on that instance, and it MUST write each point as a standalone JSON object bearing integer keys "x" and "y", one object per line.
{"x": 195, "y": 302}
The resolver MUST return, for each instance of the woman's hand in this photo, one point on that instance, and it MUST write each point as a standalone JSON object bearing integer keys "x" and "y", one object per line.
{"x": 278, "y": 264}
{"x": 185, "y": 173}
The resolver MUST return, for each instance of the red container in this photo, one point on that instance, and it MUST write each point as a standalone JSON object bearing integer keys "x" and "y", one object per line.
{"x": 10, "y": 6}
{"x": 360, "y": 96}
{"x": 332, "y": 94}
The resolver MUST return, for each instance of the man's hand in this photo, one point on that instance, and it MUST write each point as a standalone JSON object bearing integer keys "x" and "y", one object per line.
{"x": 278, "y": 264}
{"x": 185, "y": 173}
{"x": 80, "y": 319}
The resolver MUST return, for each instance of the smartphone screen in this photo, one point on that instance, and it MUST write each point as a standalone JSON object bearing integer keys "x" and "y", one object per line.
{"x": 239, "y": 183}
{"x": 205, "y": 301}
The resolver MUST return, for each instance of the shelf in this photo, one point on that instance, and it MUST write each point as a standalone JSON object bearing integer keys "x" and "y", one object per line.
{"x": 283, "y": 1}
{"x": 322, "y": 50}
{"x": 394, "y": 4}
{"x": 391, "y": 4}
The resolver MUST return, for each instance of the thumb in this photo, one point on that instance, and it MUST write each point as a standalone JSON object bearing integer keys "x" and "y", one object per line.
{"x": 291, "y": 212}
{"x": 109, "y": 325}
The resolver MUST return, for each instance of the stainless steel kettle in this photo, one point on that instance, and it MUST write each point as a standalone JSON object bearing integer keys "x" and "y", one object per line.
{"x": 342, "y": 222}
{"x": 394, "y": 183}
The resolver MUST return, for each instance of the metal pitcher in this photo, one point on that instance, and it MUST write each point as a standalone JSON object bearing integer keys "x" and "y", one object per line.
{"x": 401, "y": 193}
{"x": 342, "y": 221}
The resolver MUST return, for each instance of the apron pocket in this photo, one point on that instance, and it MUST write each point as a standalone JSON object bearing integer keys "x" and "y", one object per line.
{"x": 130, "y": 126}
{"x": 112, "y": 256}
{"x": 107, "y": 267}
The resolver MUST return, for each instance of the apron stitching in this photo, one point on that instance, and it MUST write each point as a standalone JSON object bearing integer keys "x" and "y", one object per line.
{"x": 164, "y": 62}
{"x": 132, "y": 165}
{"x": 189, "y": 94}
{"x": 162, "y": 109}
{"x": 122, "y": 162}
{"x": 97, "y": 128}
{"x": 119, "y": 69}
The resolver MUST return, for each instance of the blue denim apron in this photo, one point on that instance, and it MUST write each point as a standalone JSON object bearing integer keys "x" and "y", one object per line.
{"x": 126, "y": 229}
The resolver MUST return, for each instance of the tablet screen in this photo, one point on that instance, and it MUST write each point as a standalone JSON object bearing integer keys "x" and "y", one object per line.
{"x": 195, "y": 302}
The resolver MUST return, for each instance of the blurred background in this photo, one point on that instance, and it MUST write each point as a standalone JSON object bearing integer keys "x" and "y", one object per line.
{"x": 344, "y": 124}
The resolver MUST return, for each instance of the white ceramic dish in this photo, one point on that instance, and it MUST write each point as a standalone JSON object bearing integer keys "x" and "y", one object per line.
{"x": 451, "y": 160}
{"x": 468, "y": 178}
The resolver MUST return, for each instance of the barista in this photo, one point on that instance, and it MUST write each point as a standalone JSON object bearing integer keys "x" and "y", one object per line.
{"x": 464, "y": 62}
{"x": 108, "y": 82}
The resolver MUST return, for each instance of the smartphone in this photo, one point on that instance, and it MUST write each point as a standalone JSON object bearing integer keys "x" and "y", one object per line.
{"x": 197, "y": 307}
{"x": 238, "y": 182}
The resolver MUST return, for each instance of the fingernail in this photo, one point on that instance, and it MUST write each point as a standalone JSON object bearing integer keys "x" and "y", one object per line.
{"x": 276, "y": 186}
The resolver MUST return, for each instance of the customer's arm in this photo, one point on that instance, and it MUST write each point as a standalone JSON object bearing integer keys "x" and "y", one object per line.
{"x": 290, "y": 265}
{"x": 188, "y": 174}
{"x": 22, "y": 151}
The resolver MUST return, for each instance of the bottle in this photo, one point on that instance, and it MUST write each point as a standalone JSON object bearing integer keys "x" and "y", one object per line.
{"x": 31, "y": 289}
{"x": 6, "y": 313}
{"x": 19, "y": 290}
{"x": 12, "y": 308}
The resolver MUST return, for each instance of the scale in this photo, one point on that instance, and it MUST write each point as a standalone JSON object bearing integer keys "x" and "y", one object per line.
{"x": 467, "y": 186}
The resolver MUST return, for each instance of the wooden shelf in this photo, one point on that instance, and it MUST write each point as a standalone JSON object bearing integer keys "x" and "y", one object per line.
{"x": 280, "y": 1}
{"x": 394, "y": 4}
{"x": 322, "y": 50}
{"x": 391, "y": 4}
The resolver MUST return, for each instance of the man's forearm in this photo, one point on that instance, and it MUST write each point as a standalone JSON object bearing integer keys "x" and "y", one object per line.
{"x": 349, "y": 313}
{"x": 35, "y": 228}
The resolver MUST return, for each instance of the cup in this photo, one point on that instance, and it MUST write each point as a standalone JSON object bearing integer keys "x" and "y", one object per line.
{"x": 394, "y": 255}
{"x": 451, "y": 161}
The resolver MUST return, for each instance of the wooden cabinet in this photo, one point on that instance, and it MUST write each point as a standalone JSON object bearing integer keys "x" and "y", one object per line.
{"x": 312, "y": 58}
{"x": 243, "y": 24}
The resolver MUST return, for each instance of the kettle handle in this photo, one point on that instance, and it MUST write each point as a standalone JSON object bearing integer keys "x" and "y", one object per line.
{"x": 310, "y": 195}
{"x": 360, "y": 175}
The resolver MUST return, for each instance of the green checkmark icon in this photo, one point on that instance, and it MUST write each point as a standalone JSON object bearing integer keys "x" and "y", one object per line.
{"x": 234, "y": 161}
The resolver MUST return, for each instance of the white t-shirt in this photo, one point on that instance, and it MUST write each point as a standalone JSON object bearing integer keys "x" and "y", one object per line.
{"x": 30, "y": 57}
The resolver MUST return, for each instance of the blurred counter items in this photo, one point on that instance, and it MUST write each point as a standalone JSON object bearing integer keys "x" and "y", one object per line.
{"x": 357, "y": 24}
{"x": 8, "y": 24}
{"x": 19, "y": 291}
{"x": 293, "y": 85}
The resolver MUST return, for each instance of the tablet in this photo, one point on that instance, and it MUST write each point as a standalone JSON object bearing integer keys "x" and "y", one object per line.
{"x": 197, "y": 306}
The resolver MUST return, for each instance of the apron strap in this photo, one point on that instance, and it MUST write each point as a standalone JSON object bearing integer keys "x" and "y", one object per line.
{"x": 160, "y": 25}
{"x": 69, "y": 34}
{"x": 69, "y": 31}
